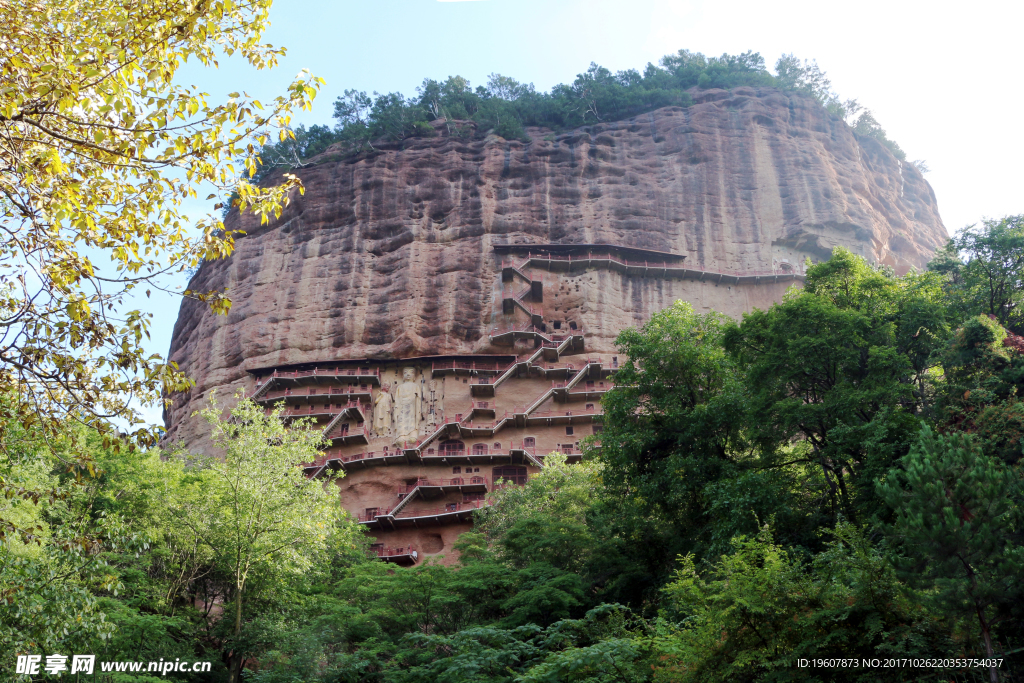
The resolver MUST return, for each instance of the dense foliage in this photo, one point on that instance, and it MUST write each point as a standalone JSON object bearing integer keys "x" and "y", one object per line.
{"x": 506, "y": 107}
{"x": 100, "y": 148}
{"x": 837, "y": 476}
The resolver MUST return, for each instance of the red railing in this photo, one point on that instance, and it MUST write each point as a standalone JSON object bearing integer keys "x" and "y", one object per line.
{"x": 316, "y": 409}
{"x": 318, "y": 392}
{"x": 368, "y": 455}
{"x": 362, "y": 456}
{"x": 555, "y": 366}
{"x": 337, "y": 433}
{"x": 514, "y": 266}
{"x": 564, "y": 414}
{"x": 465, "y": 365}
{"x": 333, "y": 454}
{"x": 548, "y": 340}
{"x": 370, "y": 516}
{"x": 522, "y": 327}
{"x": 602, "y": 385}
{"x": 532, "y": 450}
{"x": 509, "y": 292}
{"x": 449, "y": 508}
{"x": 460, "y": 419}
{"x": 483, "y": 450}
{"x": 485, "y": 425}
{"x": 321, "y": 372}
{"x": 407, "y": 550}
{"x": 583, "y": 388}
{"x": 468, "y": 480}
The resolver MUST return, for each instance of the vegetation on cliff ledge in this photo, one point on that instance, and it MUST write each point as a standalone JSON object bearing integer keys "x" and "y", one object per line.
{"x": 506, "y": 107}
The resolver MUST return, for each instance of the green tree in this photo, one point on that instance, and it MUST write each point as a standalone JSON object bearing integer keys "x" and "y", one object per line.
{"x": 507, "y": 88}
{"x": 984, "y": 380}
{"x": 750, "y": 615}
{"x": 807, "y": 76}
{"x": 100, "y": 146}
{"x": 846, "y": 365}
{"x": 957, "y": 511}
{"x": 673, "y": 425}
{"x": 606, "y": 645}
{"x": 254, "y": 508}
{"x": 57, "y": 576}
{"x": 545, "y": 520}
{"x": 294, "y": 151}
{"x": 506, "y": 106}
{"x": 984, "y": 267}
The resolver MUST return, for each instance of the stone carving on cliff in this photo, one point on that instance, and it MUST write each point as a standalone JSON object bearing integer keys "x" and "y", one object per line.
{"x": 382, "y": 411}
{"x": 407, "y": 407}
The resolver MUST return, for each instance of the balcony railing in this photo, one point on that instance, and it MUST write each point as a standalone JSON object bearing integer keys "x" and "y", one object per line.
{"x": 525, "y": 327}
{"x": 482, "y": 449}
{"x": 372, "y": 514}
{"x": 314, "y": 392}
{"x": 320, "y": 372}
{"x": 469, "y": 480}
{"x": 340, "y": 432}
{"x": 565, "y": 413}
{"x": 446, "y": 509}
{"x": 314, "y": 409}
{"x": 465, "y": 365}
{"x": 401, "y": 551}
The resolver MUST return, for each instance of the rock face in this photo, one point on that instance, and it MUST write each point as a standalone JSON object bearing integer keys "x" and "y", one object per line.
{"x": 390, "y": 254}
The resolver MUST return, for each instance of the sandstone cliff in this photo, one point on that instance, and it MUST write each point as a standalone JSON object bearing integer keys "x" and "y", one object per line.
{"x": 390, "y": 254}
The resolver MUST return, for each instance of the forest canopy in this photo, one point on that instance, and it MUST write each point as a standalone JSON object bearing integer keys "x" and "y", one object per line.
{"x": 836, "y": 476}
{"x": 507, "y": 107}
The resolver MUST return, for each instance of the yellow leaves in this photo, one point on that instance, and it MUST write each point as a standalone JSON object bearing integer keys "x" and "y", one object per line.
{"x": 53, "y": 162}
{"x": 110, "y": 172}
{"x": 77, "y": 309}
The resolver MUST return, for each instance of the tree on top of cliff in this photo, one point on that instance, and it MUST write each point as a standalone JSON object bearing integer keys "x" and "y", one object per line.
{"x": 506, "y": 107}
{"x": 99, "y": 148}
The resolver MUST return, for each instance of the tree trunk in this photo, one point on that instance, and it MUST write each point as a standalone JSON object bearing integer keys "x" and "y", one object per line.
{"x": 993, "y": 675}
{"x": 851, "y": 516}
{"x": 235, "y": 659}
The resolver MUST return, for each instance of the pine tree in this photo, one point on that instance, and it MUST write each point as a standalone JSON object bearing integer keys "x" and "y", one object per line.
{"x": 955, "y": 513}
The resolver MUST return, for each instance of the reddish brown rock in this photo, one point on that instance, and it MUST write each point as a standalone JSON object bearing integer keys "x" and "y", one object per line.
{"x": 390, "y": 254}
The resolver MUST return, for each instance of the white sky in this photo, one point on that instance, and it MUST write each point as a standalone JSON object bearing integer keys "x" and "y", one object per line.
{"x": 943, "y": 80}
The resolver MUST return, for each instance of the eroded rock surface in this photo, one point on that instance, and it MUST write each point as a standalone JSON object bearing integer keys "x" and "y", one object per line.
{"x": 390, "y": 254}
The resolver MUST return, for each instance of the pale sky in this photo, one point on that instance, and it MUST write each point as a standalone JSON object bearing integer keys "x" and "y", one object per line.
{"x": 943, "y": 80}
